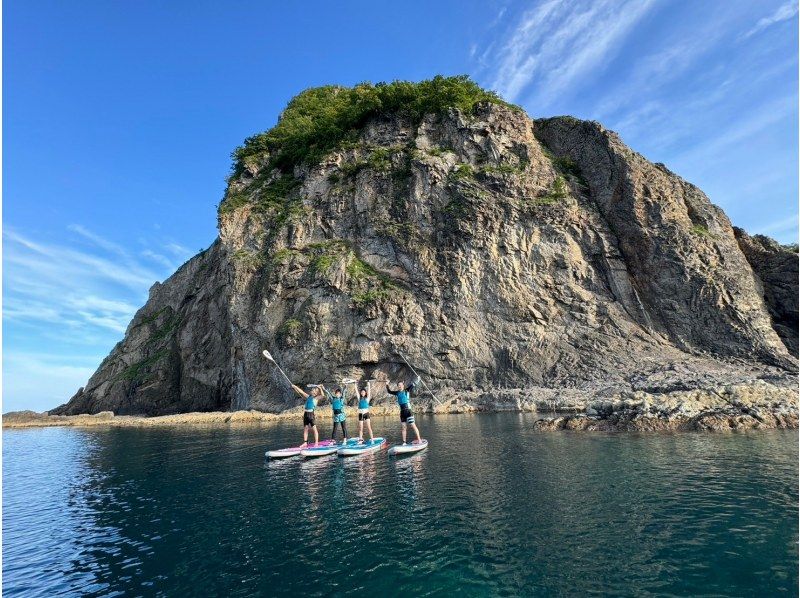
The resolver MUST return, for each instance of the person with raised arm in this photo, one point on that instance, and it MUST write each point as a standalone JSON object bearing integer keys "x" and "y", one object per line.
{"x": 339, "y": 416}
{"x": 402, "y": 394}
{"x": 364, "y": 400}
{"x": 309, "y": 420}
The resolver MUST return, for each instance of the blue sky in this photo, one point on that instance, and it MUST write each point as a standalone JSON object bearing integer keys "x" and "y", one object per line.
{"x": 119, "y": 118}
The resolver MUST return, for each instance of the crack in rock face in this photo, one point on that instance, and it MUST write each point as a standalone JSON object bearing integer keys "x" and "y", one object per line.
{"x": 509, "y": 260}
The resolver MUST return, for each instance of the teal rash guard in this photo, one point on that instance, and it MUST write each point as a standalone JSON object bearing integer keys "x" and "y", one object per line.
{"x": 363, "y": 403}
{"x": 337, "y": 405}
{"x": 311, "y": 403}
{"x": 402, "y": 395}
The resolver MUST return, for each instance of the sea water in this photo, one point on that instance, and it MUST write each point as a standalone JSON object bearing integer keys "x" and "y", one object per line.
{"x": 491, "y": 508}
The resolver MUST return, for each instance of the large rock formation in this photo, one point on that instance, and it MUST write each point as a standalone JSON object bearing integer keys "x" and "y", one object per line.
{"x": 490, "y": 250}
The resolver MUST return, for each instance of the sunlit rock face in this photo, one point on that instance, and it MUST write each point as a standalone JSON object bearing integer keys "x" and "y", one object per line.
{"x": 497, "y": 253}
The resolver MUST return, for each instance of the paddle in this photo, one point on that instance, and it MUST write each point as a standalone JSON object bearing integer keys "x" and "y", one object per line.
{"x": 347, "y": 382}
{"x": 420, "y": 377}
{"x": 269, "y": 357}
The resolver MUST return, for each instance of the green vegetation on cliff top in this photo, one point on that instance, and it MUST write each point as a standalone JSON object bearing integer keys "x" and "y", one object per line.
{"x": 318, "y": 119}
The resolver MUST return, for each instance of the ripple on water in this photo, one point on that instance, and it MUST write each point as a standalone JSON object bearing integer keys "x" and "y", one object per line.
{"x": 491, "y": 508}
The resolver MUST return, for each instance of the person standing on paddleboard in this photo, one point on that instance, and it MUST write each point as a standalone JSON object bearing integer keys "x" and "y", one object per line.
{"x": 406, "y": 417}
{"x": 337, "y": 404}
{"x": 309, "y": 420}
{"x": 364, "y": 399}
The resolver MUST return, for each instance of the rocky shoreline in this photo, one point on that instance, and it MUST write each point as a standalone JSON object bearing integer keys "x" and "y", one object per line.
{"x": 751, "y": 405}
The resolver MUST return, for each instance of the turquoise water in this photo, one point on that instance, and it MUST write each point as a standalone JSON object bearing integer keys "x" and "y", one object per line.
{"x": 492, "y": 508}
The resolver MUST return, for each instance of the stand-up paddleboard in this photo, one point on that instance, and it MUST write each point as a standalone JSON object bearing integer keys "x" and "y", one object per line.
{"x": 365, "y": 447}
{"x": 295, "y": 450}
{"x": 411, "y": 447}
{"x": 328, "y": 449}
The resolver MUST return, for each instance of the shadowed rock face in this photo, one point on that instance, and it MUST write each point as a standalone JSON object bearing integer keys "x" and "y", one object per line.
{"x": 491, "y": 250}
{"x": 776, "y": 268}
{"x": 176, "y": 352}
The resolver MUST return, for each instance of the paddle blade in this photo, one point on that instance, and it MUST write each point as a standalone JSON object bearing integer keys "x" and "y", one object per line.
{"x": 266, "y": 354}
{"x": 349, "y": 381}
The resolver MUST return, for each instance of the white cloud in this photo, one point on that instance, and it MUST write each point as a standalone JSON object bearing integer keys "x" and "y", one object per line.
{"x": 498, "y": 17}
{"x": 557, "y": 44}
{"x": 38, "y": 380}
{"x": 178, "y": 251}
{"x": 109, "y": 305}
{"x": 55, "y": 262}
{"x": 714, "y": 149}
{"x": 157, "y": 257}
{"x": 30, "y": 311}
{"x": 67, "y": 298}
{"x": 784, "y": 12}
{"x": 97, "y": 239}
{"x": 782, "y": 225}
{"x": 56, "y": 288}
{"x": 668, "y": 125}
{"x": 656, "y": 71}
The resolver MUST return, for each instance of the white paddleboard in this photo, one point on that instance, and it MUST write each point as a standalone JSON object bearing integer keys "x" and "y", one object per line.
{"x": 328, "y": 449}
{"x": 295, "y": 450}
{"x": 360, "y": 449}
{"x": 411, "y": 447}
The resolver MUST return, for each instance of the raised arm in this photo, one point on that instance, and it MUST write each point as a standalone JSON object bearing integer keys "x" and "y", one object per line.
{"x": 369, "y": 393}
{"x": 390, "y": 391}
{"x": 299, "y": 391}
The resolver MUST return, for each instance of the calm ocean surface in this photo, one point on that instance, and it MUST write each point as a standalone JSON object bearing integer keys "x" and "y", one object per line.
{"x": 492, "y": 508}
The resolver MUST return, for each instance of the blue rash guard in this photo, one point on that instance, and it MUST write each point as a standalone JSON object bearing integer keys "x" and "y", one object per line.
{"x": 337, "y": 405}
{"x": 311, "y": 403}
{"x": 363, "y": 403}
{"x": 402, "y": 395}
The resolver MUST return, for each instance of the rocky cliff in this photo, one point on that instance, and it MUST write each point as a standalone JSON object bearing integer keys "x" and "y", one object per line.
{"x": 775, "y": 268}
{"x": 507, "y": 259}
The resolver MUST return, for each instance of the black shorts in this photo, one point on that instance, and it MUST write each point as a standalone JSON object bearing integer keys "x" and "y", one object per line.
{"x": 308, "y": 418}
{"x": 405, "y": 414}
{"x": 363, "y": 416}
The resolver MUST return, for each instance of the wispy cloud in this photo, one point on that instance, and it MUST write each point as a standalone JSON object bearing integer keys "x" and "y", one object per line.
{"x": 54, "y": 262}
{"x": 740, "y": 130}
{"x": 673, "y": 122}
{"x": 45, "y": 376}
{"x": 557, "y": 43}
{"x": 97, "y": 240}
{"x": 782, "y": 225}
{"x": 657, "y": 70}
{"x": 179, "y": 251}
{"x": 62, "y": 287}
{"x": 158, "y": 258}
{"x": 66, "y": 303}
{"x": 784, "y": 12}
{"x": 498, "y": 17}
